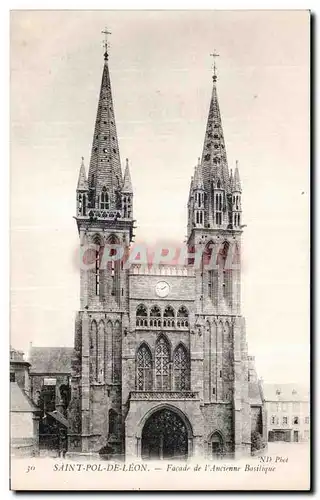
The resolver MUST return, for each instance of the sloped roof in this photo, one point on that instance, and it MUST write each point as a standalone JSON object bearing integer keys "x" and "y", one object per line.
{"x": 50, "y": 359}
{"x": 58, "y": 417}
{"x": 105, "y": 165}
{"x": 214, "y": 157}
{"x": 19, "y": 401}
{"x": 288, "y": 392}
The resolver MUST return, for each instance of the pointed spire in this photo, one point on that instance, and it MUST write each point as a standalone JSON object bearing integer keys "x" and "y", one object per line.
{"x": 214, "y": 157}
{"x": 105, "y": 166}
{"x": 82, "y": 179}
{"x": 198, "y": 178}
{"x": 127, "y": 186}
{"x": 236, "y": 180}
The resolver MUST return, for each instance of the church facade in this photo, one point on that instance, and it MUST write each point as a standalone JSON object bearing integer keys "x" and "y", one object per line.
{"x": 160, "y": 367}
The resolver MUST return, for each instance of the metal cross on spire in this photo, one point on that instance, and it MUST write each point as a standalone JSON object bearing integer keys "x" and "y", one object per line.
{"x": 214, "y": 55}
{"x": 105, "y": 32}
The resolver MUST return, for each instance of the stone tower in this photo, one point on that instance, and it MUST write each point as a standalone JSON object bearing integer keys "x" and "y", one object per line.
{"x": 105, "y": 224}
{"x": 160, "y": 366}
{"x": 214, "y": 228}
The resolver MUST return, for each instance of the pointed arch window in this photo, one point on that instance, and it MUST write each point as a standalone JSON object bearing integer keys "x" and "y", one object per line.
{"x": 116, "y": 352}
{"x": 113, "y": 268}
{"x": 226, "y": 272}
{"x": 209, "y": 264}
{"x": 168, "y": 317}
{"x": 97, "y": 273}
{"x": 155, "y": 316}
{"x": 218, "y": 206}
{"x": 181, "y": 367}
{"x": 97, "y": 269}
{"x": 82, "y": 204}
{"x": 162, "y": 362}
{"x": 182, "y": 317}
{"x": 93, "y": 362}
{"x": 144, "y": 380}
{"x": 141, "y": 316}
{"x": 104, "y": 199}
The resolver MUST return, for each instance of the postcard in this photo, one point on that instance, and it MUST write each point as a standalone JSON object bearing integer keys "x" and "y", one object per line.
{"x": 160, "y": 192}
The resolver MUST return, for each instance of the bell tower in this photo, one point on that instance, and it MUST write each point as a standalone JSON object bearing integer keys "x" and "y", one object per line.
{"x": 104, "y": 216}
{"x": 214, "y": 230}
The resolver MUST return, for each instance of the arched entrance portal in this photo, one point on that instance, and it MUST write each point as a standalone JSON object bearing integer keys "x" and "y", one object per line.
{"x": 164, "y": 436}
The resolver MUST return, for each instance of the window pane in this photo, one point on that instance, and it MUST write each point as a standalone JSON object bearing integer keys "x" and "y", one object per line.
{"x": 162, "y": 364}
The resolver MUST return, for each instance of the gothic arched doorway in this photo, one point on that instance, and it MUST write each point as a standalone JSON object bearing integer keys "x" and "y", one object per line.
{"x": 164, "y": 436}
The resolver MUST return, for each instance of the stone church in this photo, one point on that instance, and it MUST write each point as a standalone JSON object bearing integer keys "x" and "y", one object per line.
{"x": 160, "y": 367}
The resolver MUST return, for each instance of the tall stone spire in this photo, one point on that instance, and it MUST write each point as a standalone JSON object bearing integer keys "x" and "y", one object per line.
{"x": 214, "y": 156}
{"x": 105, "y": 166}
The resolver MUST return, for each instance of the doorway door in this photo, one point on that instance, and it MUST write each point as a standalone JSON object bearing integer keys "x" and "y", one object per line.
{"x": 164, "y": 436}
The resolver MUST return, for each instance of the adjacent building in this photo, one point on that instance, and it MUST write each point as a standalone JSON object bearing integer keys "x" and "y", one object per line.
{"x": 24, "y": 414}
{"x": 288, "y": 411}
{"x": 161, "y": 367}
{"x": 50, "y": 373}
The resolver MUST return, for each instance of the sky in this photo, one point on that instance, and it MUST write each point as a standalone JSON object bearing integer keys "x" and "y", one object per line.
{"x": 161, "y": 71}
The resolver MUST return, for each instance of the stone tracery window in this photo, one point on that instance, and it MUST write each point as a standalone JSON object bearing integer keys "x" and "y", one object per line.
{"x": 104, "y": 199}
{"x": 181, "y": 367}
{"x": 218, "y": 206}
{"x": 98, "y": 272}
{"x": 162, "y": 364}
{"x": 144, "y": 369}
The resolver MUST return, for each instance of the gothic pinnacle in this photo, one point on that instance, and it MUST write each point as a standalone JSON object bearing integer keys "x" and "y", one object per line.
{"x": 236, "y": 179}
{"x": 82, "y": 179}
{"x": 127, "y": 185}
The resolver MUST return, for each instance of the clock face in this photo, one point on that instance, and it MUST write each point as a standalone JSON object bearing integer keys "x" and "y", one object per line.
{"x": 162, "y": 289}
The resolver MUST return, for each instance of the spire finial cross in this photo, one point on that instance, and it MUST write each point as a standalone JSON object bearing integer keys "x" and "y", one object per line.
{"x": 214, "y": 55}
{"x": 105, "y": 32}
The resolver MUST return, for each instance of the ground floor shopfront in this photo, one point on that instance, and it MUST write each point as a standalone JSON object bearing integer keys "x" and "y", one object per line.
{"x": 286, "y": 435}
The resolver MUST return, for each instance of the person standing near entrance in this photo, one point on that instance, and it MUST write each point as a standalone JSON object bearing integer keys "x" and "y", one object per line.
{"x": 62, "y": 442}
